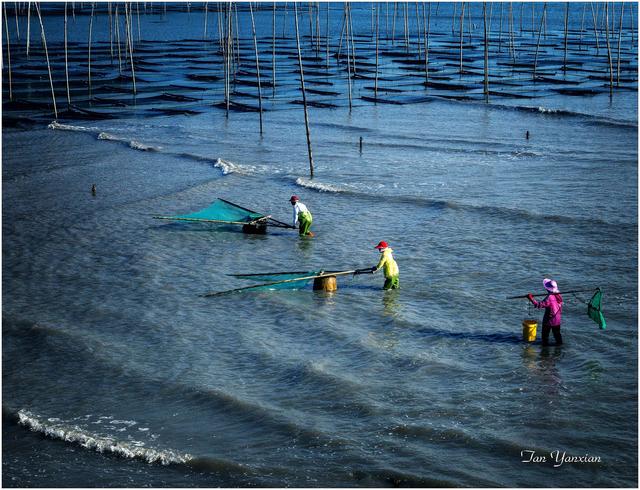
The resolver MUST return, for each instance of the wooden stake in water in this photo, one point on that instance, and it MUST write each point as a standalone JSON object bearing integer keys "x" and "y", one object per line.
{"x": 327, "y": 35}
{"x": 461, "y": 34}
{"x": 110, "y": 31}
{"x": 584, "y": 10}
{"x": 595, "y": 28}
{"x": 375, "y": 84}
{"x": 15, "y": 11}
{"x": 6, "y": 28}
{"x": 566, "y": 35}
{"x": 255, "y": 45}
{"x": 426, "y": 41}
{"x": 206, "y": 16}
{"x": 273, "y": 51}
{"x": 486, "y": 52}
{"x": 28, "y": 26}
{"x": 346, "y": 13}
{"x": 130, "y": 38}
{"x": 535, "y": 62}
{"x": 619, "y": 44}
{"x": 304, "y": 94}
{"x": 353, "y": 44}
{"x": 66, "y": 57}
{"x": 606, "y": 13}
{"x": 89, "y": 47}
{"x": 46, "y": 52}
{"x": 117, "y": 21}
{"x": 500, "y": 29}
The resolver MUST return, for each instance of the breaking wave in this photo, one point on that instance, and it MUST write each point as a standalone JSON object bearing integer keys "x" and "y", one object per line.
{"x": 319, "y": 186}
{"x": 228, "y": 167}
{"x": 70, "y": 127}
{"x": 136, "y": 145}
{"x": 590, "y": 118}
{"x": 57, "y": 429}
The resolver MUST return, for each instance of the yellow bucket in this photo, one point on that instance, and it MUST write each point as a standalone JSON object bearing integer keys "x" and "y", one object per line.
{"x": 529, "y": 330}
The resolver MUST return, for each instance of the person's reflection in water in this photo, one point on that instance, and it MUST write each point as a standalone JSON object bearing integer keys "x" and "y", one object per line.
{"x": 390, "y": 303}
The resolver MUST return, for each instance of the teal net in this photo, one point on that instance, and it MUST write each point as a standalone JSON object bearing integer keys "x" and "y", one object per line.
{"x": 221, "y": 211}
{"x": 594, "y": 309}
{"x": 277, "y": 277}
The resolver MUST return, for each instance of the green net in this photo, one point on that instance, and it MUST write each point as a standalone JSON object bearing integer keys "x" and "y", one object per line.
{"x": 221, "y": 210}
{"x": 594, "y": 309}
{"x": 294, "y": 280}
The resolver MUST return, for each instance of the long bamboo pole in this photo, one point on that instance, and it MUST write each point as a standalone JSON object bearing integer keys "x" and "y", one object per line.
{"x": 117, "y": 22}
{"x": 206, "y": 18}
{"x": 595, "y": 28}
{"x": 304, "y": 94}
{"x": 28, "y": 26}
{"x": 346, "y": 7}
{"x": 406, "y": 25}
{"x": 66, "y": 57}
{"x": 89, "y": 47}
{"x": 584, "y": 10}
{"x": 469, "y": 4}
{"x": 633, "y": 40}
{"x": 393, "y": 24}
{"x": 138, "y": 17}
{"x": 461, "y": 33}
{"x": 486, "y": 52}
{"x": 327, "y": 36}
{"x": 500, "y": 30}
{"x": 255, "y": 45}
{"x": 15, "y": 11}
{"x": 609, "y": 49}
{"x": 6, "y": 28}
{"x": 130, "y": 38}
{"x": 375, "y": 84}
{"x": 110, "y": 31}
{"x": 619, "y": 44}
{"x": 353, "y": 44}
{"x": 46, "y": 52}
{"x": 524, "y": 296}
{"x": 535, "y": 62}
{"x": 273, "y": 51}
{"x": 317, "y": 10}
{"x": 511, "y": 35}
{"x": 285, "y": 281}
{"x": 229, "y": 45}
{"x": 426, "y": 42}
{"x": 566, "y": 35}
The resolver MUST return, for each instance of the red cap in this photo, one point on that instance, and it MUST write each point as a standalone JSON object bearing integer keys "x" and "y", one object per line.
{"x": 294, "y": 199}
{"x": 381, "y": 245}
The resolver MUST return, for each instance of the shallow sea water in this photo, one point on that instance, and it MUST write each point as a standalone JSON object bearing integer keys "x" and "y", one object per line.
{"x": 117, "y": 372}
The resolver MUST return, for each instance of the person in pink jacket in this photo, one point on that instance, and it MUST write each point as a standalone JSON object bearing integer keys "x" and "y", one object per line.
{"x": 552, "y": 305}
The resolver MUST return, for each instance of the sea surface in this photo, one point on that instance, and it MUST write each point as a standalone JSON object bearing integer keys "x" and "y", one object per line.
{"x": 117, "y": 372}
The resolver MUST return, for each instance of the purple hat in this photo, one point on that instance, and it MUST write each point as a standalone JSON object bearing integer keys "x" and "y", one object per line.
{"x": 550, "y": 285}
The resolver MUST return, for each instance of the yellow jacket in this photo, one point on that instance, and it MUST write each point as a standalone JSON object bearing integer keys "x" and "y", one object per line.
{"x": 389, "y": 264}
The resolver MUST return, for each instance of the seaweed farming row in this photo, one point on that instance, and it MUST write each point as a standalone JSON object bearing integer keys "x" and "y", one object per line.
{"x": 351, "y": 54}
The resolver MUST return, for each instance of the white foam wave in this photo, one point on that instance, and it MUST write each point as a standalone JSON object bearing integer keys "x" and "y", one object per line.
{"x": 318, "y": 186}
{"x": 108, "y": 137}
{"x": 524, "y": 154}
{"x": 545, "y": 110}
{"x": 135, "y": 145}
{"x": 99, "y": 443}
{"x": 69, "y": 127}
{"x": 228, "y": 167}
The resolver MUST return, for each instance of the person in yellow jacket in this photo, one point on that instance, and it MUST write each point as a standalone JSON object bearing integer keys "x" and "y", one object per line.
{"x": 391, "y": 271}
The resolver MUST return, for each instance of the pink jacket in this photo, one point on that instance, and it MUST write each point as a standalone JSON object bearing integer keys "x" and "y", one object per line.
{"x": 553, "y": 310}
